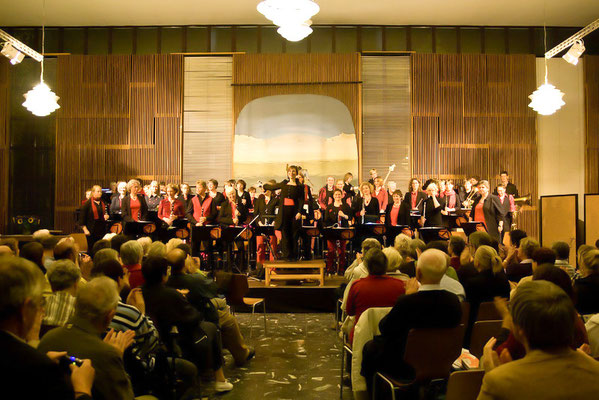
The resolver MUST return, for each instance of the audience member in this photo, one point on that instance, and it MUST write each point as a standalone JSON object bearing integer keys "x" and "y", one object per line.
{"x": 28, "y": 373}
{"x": 394, "y": 260}
{"x": 455, "y": 248}
{"x": 425, "y": 305}
{"x": 64, "y": 277}
{"x": 145, "y": 242}
{"x": 12, "y": 244}
{"x": 543, "y": 320}
{"x": 586, "y": 287}
{"x": 156, "y": 249}
{"x": 203, "y": 295}
{"x": 199, "y": 340}
{"x": 99, "y": 245}
{"x": 515, "y": 272}
{"x": 105, "y": 254}
{"x": 95, "y": 306}
{"x": 117, "y": 241}
{"x": 131, "y": 254}
{"x": 357, "y": 269}
{"x": 49, "y": 242}
{"x": 375, "y": 290}
{"x": 562, "y": 256}
{"x": 6, "y": 251}
{"x": 34, "y": 252}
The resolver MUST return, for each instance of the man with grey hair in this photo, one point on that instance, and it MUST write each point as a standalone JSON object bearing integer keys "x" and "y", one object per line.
{"x": 131, "y": 254}
{"x": 64, "y": 277}
{"x": 94, "y": 308}
{"x": 27, "y": 373}
{"x": 425, "y": 305}
{"x": 357, "y": 269}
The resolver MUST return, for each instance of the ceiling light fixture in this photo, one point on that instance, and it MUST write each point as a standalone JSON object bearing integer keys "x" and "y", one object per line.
{"x": 572, "y": 39}
{"x": 292, "y": 16}
{"x": 40, "y": 100}
{"x": 575, "y": 52}
{"x": 13, "y": 46}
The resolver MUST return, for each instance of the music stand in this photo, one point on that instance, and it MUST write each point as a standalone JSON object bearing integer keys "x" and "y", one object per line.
{"x": 338, "y": 233}
{"x": 473, "y": 226}
{"x": 370, "y": 229}
{"x": 139, "y": 228}
{"x": 432, "y": 233}
{"x": 206, "y": 234}
{"x": 230, "y": 234}
{"x": 414, "y": 217}
{"x": 394, "y": 230}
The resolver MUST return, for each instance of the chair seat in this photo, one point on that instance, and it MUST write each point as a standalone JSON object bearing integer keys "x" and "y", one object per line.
{"x": 252, "y": 301}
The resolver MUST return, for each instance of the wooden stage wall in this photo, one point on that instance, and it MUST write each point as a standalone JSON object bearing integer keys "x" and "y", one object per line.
{"x": 470, "y": 117}
{"x": 4, "y": 143}
{"x": 334, "y": 75}
{"x": 120, "y": 118}
{"x": 591, "y": 89}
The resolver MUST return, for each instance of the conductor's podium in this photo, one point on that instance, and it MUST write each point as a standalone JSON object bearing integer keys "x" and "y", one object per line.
{"x": 299, "y": 265}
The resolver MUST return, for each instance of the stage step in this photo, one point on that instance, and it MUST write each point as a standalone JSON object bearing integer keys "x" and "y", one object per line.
{"x": 282, "y": 265}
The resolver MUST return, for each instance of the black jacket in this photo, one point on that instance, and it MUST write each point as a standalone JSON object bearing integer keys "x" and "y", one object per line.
{"x": 225, "y": 214}
{"x": 431, "y": 213}
{"x": 86, "y": 217}
{"x": 373, "y": 210}
{"x": 262, "y": 208}
{"x": 587, "y": 294}
{"x": 126, "y": 208}
{"x": 492, "y": 212}
{"x": 201, "y": 290}
{"x": 294, "y": 192}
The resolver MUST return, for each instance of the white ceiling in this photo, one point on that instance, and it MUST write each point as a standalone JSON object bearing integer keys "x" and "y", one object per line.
{"x": 351, "y": 12}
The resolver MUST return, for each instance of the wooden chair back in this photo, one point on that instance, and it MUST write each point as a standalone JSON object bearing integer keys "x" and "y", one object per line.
{"x": 465, "y": 312}
{"x": 487, "y": 312}
{"x": 238, "y": 288}
{"x": 482, "y": 331}
{"x": 432, "y": 351}
{"x": 464, "y": 385}
{"x": 81, "y": 241}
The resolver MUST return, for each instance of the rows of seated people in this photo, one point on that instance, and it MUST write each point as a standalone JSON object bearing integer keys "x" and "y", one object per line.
{"x": 140, "y": 314}
{"x": 424, "y": 285}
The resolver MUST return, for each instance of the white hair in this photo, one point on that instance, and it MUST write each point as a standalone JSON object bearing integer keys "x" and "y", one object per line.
{"x": 96, "y": 299}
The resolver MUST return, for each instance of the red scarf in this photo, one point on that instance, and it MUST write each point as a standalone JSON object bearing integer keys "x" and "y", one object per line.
{"x": 95, "y": 210}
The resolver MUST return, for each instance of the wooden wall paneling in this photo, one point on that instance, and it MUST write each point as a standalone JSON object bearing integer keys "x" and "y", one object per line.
{"x": 591, "y": 87}
{"x": 470, "y": 117}
{"x": 113, "y": 125}
{"x": 4, "y": 143}
{"x": 386, "y": 116}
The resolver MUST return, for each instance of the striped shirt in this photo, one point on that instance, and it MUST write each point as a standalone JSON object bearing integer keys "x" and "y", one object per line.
{"x": 130, "y": 318}
{"x": 60, "y": 306}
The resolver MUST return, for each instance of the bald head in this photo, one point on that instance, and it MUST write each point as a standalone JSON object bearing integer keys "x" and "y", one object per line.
{"x": 176, "y": 259}
{"x": 5, "y": 250}
{"x": 431, "y": 266}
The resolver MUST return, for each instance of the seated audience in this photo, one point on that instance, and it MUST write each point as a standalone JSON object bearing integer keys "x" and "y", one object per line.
{"x": 455, "y": 248}
{"x": 516, "y": 271}
{"x": 117, "y": 241}
{"x": 375, "y": 290}
{"x": 542, "y": 255}
{"x": 586, "y": 288}
{"x": 515, "y": 237}
{"x": 562, "y": 256}
{"x": 199, "y": 339}
{"x": 105, "y": 254}
{"x": 592, "y": 327}
{"x": 394, "y": 260}
{"x": 203, "y": 295}
{"x": 131, "y": 256}
{"x": 34, "y": 252}
{"x": 29, "y": 373}
{"x": 156, "y": 249}
{"x": 543, "y": 319}
{"x": 425, "y": 305}
{"x": 49, "y": 242}
{"x": 357, "y": 269}
{"x": 64, "y": 277}
{"x": 95, "y": 307}
{"x": 99, "y": 245}
{"x": 145, "y": 242}
{"x": 12, "y": 244}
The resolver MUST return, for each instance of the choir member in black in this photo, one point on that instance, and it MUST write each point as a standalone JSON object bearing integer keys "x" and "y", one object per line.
{"x": 432, "y": 207}
{"x": 366, "y": 207}
{"x": 395, "y": 215}
{"x": 510, "y": 188}
{"x": 325, "y": 194}
{"x": 185, "y": 195}
{"x": 134, "y": 207}
{"x": 486, "y": 209}
{"x": 212, "y": 192}
{"x": 115, "y": 203}
{"x": 171, "y": 209}
{"x": 154, "y": 198}
{"x": 413, "y": 200}
{"x": 244, "y": 196}
{"x": 252, "y": 204}
{"x": 311, "y": 216}
{"x": 506, "y": 207}
{"x": 264, "y": 205}
{"x": 288, "y": 220}
{"x": 93, "y": 216}
{"x": 348, "y": 189}
{"x": 233, "y": 213}
{"x": 338, "y": 213}
{"x": 467, "y": 194}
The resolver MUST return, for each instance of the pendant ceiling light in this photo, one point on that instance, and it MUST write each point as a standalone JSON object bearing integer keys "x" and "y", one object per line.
{"x": 40, "y": 100}
{"x": 292, "y": 16}
{"x": 547, "y": 99}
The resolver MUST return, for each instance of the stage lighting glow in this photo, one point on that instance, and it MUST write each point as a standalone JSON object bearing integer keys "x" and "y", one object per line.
{"x": 547, "y": 99}
{"x": 574, "y": 53}
{"x": 40, "y": 100}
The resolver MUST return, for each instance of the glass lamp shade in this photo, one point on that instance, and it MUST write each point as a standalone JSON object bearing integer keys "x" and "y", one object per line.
{"x": 41, "y": 101}
{"x": 547, "y": 99}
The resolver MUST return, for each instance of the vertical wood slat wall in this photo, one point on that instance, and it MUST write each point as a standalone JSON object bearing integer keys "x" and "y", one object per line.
{"x": 208, "y": 115}
{"x": 591, "y": 88}
{"x": 4, "y": 143}
{"x": 120, "y": 118}
{"x": 335, "y": 75}
{"x": 470, "y": 117}
{"x": 386, "y": 117}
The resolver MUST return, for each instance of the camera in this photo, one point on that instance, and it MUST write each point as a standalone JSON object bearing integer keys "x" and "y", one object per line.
{"x": 66, "y": 361}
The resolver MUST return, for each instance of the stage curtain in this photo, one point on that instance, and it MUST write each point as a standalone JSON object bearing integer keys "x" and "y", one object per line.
{"x": 120, "y": 118}
{"x": 470, "y": 116}
{"x": 591, "y": 89}
{"x": 4, "y": 143}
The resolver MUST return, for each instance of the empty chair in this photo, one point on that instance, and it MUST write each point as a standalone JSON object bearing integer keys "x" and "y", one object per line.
{"x": 481, "y": 333}
{"x": 464, "y": 385}
{"x": 237, "y": 289}
{"x": 487, "y": 312}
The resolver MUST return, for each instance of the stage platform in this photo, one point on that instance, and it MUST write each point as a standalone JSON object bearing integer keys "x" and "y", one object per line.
{"x": 295, "y": 296}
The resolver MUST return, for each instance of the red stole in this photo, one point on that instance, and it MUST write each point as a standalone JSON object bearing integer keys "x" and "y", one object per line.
{"x": 95, "y": 209}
